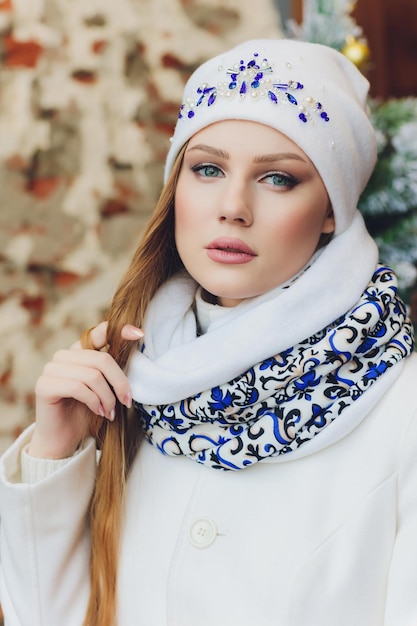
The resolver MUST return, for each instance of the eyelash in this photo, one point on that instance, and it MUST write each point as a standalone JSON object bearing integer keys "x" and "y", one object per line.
{"x": 198, "y": 169}
{"x": 289, "y": 181}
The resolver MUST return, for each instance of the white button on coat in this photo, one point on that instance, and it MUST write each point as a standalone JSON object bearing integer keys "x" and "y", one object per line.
{"x": 202, "y": 533}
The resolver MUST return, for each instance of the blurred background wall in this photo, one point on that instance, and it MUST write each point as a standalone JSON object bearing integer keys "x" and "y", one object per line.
{"x": 89, "y": 95}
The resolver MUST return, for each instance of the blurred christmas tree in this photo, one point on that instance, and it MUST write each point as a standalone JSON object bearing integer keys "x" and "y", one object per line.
{"x": 389, "y": 202}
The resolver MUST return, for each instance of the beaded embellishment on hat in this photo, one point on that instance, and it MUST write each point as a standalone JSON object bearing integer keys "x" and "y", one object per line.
{"x": 253, "y": 79}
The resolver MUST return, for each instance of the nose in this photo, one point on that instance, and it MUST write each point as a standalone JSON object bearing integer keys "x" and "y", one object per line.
{"x": 235, "y": 203}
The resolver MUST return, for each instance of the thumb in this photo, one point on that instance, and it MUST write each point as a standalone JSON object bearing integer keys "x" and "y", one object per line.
{"x": 132, "y": 333}
{"x": 94, "y": 338}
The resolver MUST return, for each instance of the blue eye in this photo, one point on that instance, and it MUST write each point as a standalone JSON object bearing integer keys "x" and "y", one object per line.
{"x": 207, "y": 170}
{"x": 282, "y": 181}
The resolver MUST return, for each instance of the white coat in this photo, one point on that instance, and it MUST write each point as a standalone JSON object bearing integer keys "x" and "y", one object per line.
{"x": 326, "y": 540}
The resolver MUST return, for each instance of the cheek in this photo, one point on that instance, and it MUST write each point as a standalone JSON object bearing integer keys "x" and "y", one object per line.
{"x": 181, "y": 213}
{"x": 309, "y": 217}
{"x": 184, "y": 229}
{"x": 186, "y": 219}
{"x": 186, "y": 207}
{"x": 299, "y": 225}
{"x": 299, "y": 233}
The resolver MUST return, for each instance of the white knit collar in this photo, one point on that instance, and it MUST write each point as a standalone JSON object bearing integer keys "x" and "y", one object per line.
{"x": 207, "y": 312}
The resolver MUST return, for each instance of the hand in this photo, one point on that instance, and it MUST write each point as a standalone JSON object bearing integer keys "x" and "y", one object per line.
{"x": 72, "y": 382}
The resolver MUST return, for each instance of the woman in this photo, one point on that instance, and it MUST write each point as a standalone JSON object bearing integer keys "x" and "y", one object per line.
{"x": 267, "y": 359}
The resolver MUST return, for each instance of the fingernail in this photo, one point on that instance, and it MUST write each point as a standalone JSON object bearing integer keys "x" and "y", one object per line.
{"x": 138, "y": 332}
{"x": 101, "y": 410}
{"x": 127, "y": 401}
{"x": 112, "y": 415}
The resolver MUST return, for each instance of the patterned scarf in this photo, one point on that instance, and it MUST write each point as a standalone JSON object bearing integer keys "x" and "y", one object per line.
{"x": 284, "y": 401}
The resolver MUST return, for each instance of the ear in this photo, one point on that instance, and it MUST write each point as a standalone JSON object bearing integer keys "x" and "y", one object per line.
{"x": 329, "y": 223}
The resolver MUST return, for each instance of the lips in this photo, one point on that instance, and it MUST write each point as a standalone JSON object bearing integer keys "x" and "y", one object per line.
{"x": 230, "y": 250}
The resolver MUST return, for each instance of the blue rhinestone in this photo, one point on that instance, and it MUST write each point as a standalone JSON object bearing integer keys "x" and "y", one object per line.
{"x": 273, "y": 97}
{"x": 239, "y": 81}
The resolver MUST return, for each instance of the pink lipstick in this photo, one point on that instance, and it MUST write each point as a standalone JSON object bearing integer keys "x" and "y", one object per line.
{"x": 229, "y": 250}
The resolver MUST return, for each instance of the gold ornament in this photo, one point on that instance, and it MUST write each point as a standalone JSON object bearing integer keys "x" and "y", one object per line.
{"x": 356, "y": 51}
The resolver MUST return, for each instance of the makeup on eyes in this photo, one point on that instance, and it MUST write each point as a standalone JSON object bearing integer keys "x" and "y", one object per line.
{"x": 279, "y": 179}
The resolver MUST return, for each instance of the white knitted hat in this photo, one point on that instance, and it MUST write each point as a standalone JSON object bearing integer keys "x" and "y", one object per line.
{"x": 310, "y": 92}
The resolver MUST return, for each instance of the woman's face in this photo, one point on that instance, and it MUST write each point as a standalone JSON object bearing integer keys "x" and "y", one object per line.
{"x": 249, "y": 209}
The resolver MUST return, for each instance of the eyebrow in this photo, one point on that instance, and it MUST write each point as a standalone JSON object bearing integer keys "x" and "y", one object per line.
{"x": 211, "y": 150}
{"x": 263, "y": 158}
{"x": 279, "y": 156}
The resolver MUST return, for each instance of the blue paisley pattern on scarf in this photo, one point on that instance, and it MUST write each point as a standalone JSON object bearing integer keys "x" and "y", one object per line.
{"x": 277, "y": 405}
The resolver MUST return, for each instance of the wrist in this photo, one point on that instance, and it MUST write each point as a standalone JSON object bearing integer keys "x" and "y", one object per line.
{"x": 53, "y": 450}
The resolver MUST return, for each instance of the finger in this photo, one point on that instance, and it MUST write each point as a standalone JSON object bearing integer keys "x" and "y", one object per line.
{"x": 101, "y": 362}
{"x": 132, "y": 333}
{"x": 91, "y": 378}
{"x": 96, "y": 338}
{"x": 70, "y": 389}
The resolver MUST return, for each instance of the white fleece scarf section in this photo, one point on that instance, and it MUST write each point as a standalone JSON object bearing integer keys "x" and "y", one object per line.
{"x": 177, "y": 363}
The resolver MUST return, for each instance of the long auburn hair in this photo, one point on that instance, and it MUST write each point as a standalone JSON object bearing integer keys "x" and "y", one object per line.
{"x": 155, "y": 260}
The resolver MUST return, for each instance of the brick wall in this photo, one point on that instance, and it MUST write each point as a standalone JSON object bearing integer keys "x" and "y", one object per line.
{"x": 89, "y": 96}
